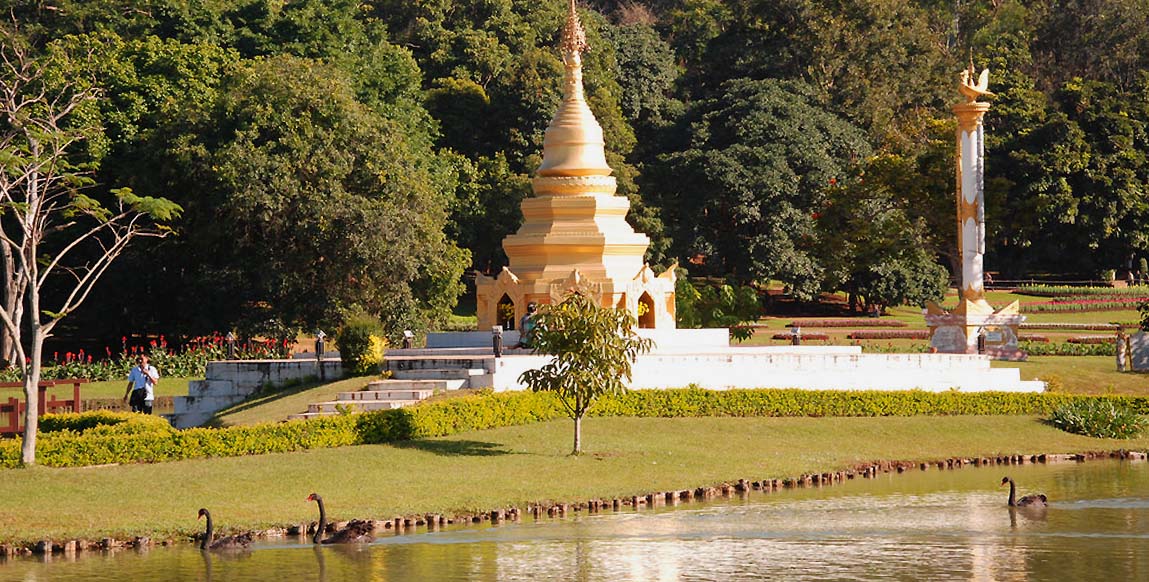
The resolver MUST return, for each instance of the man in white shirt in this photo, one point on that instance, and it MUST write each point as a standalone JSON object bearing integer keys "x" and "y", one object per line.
{"x": 141, "y": 386}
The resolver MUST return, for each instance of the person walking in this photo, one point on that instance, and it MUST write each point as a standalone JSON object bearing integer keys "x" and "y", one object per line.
{"x": 141, "y": 390}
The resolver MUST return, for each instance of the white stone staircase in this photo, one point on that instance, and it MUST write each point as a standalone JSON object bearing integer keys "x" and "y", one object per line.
{"x": 413, "y": 379}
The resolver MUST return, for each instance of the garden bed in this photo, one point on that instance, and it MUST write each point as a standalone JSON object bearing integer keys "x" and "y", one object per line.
{"x": 847, "y": 322}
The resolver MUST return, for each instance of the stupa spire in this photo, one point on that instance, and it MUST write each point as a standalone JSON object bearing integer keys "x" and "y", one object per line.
{"x": 574, "y": 37}
{"x": 573, "y": 144}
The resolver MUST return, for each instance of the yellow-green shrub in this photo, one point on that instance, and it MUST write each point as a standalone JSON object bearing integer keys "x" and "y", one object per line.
{"x": 105, "y": 419}
{"x": 361, "y": 345}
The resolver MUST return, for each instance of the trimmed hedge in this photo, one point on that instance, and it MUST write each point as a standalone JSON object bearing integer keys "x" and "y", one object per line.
{"x": 1074, "y": 291}
{"x": 1068, "y": 349}
{"x": 813, "y": 336}
{"x": 1081, "y": 306}
{"x": 795, "y": 402}
{"x": 1077, "y": 326}
{"x": 1092, "y": 339}
{"x": 847, "y": 322}
{"x": 454, "y": 415}
{"x": 144, "y": 442}
{"x": 132, "y": 422}
{"x": 879, "y": 334}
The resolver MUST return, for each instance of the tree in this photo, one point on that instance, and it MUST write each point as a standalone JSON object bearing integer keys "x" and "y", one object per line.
{"x": 707, "y": 305}
{"x": 742, "y": 195}
{"x": 56, "y": 241}
{"x": 592, "y": 347}
{"x": 315, "y": 205}
{"x": 872, "y": 246}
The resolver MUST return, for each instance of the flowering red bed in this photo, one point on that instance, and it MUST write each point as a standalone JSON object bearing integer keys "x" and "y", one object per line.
{"x": 847, "y": 322}
{"x": 871, "y": 334}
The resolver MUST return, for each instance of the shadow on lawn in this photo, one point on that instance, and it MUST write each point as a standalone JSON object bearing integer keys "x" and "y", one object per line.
{"x": 456, "y": 448}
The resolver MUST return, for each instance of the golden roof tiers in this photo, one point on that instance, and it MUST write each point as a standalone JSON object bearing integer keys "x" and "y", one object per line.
{"x": 573, "y": 144}
{"x": 574, "y": 235}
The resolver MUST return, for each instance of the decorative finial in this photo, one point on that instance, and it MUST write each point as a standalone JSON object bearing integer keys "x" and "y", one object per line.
{"x": 972, "y": 90}
{"x": 574, "y": 38}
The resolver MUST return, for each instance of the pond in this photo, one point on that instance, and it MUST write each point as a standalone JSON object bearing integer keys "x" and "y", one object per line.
{"x": 931, "y": 525}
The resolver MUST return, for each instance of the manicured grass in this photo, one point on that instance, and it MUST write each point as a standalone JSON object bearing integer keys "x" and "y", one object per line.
{"x": 497, "y": 468}
{"x": 115, "y": 388}
{"x": 1081, "y": 374}
{"x": 112, "y": 389}
{"x": 276, "y": 406}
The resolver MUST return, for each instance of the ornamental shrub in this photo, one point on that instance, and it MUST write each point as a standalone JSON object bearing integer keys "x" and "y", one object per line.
{"x": 1073, "y": 291}
{"x": 1098, "y": 418}
{"x": 847, "y": 322}
{"x": 812, "y": 336}
{"x": 872, "y": 334}
{"x": 1092, "y": 339}
{"x": 361, "y": 345}
{"x": 123, "y": 422}
{"x": 1067, "y": 349}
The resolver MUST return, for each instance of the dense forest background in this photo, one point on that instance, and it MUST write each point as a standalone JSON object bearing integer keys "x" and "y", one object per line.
{"x": 334, "y": 156}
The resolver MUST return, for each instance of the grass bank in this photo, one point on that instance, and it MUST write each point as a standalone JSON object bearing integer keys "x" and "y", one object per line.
{"x": 1080, "y": 375}
{"x": 278, "y": 405}
{"x": 490, "y": 469}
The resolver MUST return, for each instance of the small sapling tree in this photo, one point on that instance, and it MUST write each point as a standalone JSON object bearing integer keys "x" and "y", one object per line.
{"x": 593, "y": 349}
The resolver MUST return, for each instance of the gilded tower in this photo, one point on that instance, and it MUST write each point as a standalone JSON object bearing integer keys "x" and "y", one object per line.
{"x": 574, "y": 236}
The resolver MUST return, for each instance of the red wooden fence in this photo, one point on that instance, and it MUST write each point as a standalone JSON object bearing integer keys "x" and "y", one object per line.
{"x": 12, "y": 410}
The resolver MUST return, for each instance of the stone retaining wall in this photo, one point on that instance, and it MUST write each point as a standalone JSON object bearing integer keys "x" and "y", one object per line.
{"x": 233, "y": 381}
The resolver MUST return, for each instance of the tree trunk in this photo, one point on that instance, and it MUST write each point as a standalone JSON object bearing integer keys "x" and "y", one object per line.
{"x": 32, "y": 364}
{"x": 10, "y": 306}
{"x": 32, "y": 398}
{"x": 577, "y": 435}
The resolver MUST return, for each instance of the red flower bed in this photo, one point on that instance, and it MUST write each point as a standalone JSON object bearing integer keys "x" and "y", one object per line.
{"x": 1032, "y": 337}
{"x": 1081, "y": 326}
{"x": 804, "y": 336}
{"x": 848, "y": 322}
{"x": 876, "y": 334}
{"x": 1091, "y": 339}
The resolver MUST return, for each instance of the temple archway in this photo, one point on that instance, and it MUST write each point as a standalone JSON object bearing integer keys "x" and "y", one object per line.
{"x": 505, "y": 312}
{"x": 646, "y": 318}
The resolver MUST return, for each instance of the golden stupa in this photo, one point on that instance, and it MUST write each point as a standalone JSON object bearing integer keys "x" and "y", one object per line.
{"x": 574, "y": 237}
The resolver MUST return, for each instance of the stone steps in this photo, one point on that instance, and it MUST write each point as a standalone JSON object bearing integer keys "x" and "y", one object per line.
{"x": 414, "y": 384}
{"x": 447, "y": 379}
{"x": 376, "y": 394}
{"x": 338, "y": 406}
{"x": 413, "y": 379}
{"x": 459, "y": 363}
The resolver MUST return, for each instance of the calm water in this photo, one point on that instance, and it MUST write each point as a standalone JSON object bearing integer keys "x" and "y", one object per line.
{"x": 936, "y": 525}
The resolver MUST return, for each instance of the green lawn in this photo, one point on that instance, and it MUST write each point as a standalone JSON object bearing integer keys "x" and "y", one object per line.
{"x": 497, "y": 468}
{"x": 1081, "y": 374}
{"x": 276, "y": 406}
{"x": 115, "y": 388}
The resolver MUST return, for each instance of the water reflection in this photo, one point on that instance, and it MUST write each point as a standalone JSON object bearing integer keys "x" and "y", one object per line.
{"x": 917, "y": 526}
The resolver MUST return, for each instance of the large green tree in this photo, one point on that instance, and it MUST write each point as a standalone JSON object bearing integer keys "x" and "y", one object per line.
{"x": 308, "y": 203}
{"x": 742, "y": 197}
{"x": 872, "y": 246}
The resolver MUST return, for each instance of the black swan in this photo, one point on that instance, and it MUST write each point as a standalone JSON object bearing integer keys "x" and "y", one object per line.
{"x": 1037, "y": 500}
{"x": 235, "y": 542}
{"x": 357, "y": 531}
